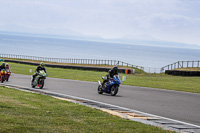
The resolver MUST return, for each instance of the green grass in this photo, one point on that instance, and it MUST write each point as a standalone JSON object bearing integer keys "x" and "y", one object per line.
{"x": 24, "y": 112}
{"x": 162, "y": 81}
{"x": 178, "y": 83}
{"x": 189, "y": 69}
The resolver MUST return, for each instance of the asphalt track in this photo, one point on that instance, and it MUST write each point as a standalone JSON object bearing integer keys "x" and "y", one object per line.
{"x": 176, "y": 105}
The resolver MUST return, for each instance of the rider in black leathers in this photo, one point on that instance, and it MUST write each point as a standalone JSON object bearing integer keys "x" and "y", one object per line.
{"x": 110, "y": 74}
{"x": 2, "y": 66}
{"x": 39, "y": 68}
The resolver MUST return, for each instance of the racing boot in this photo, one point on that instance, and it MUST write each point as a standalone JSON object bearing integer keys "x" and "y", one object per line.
{"x": 103, "y": 85}
{"x": 33, "y": 78}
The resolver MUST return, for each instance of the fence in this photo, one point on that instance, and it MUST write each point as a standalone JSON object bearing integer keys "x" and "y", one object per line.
{"x": 72, "y": 61}
{"x": 181, "y": 64}
{"x": 151, "y": 70}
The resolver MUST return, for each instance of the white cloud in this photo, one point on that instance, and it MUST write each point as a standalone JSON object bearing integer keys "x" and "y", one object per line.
{"x": 172, "y": 20}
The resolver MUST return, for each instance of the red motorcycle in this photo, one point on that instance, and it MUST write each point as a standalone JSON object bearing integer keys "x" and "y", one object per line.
{"x": 8, "y": 73}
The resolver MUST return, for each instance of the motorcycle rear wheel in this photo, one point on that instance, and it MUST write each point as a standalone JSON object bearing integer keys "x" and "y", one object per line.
{"x": 99, "y": 89}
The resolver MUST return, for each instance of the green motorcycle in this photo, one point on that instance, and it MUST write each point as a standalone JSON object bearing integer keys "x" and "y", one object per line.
{"x": 39, "y": 80}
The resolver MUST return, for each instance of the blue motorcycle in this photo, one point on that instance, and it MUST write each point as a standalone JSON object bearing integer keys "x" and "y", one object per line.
{"x": 110, "y": 87}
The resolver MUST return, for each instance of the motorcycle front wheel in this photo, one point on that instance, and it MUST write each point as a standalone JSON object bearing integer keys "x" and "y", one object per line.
{"x": 114, "y": 90}
{"x": 2, "y": 79}
{"x": 7, "y": 78}
{"x": 41, "y": 83}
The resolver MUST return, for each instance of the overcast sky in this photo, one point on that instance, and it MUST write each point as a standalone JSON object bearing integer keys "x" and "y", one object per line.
{"x": 170, "y": 20}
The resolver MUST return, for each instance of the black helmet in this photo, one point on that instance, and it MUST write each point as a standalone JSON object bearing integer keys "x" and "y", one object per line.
{"x": 3, "y": 64}
{"x": 115, "y": 68}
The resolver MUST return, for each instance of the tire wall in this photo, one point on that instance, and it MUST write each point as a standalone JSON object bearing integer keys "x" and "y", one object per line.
{"x": 102, "y": 69}
{"x": 182, "y": 73}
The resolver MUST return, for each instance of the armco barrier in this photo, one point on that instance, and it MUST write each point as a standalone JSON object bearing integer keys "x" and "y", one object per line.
{"x": 103, "y": 69}
{"x": 182, "y": 73}
{"x": 181, "y": 64}
{"x": 71, "y": 61}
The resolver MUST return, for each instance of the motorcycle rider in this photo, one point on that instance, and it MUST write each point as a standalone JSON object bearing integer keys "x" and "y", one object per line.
{"x": 110, "y": 74}
{"x": 39, "y": 68}
{"x": 2, "y": 66}
{"x": 7, "y": 67}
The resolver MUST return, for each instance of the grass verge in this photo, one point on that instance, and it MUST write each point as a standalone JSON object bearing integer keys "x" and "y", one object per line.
{"x": 162, "y": 81}
{"x": 72, "y": 64}
{"x": 28, "y": 112}
{"x": 189, "y": 69}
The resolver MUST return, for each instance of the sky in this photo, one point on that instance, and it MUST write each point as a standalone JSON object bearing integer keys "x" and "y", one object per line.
{"x": 169, "y": 20}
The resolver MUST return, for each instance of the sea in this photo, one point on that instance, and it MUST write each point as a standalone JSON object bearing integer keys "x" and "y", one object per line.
{"x": 152, "y": 58}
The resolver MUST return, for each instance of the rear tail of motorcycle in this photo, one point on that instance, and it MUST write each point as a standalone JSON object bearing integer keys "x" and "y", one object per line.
{"x": 99, "y": 89}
